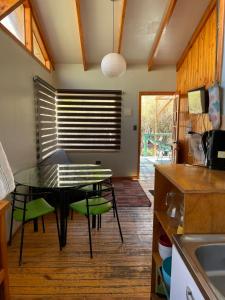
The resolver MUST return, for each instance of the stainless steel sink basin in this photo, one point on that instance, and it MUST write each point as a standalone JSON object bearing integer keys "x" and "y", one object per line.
{"x": 212, "y": 259}
{"x": 204, "y": 255}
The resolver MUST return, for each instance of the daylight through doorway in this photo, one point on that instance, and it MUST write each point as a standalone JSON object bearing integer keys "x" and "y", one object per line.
{"x": 156, "y": 134}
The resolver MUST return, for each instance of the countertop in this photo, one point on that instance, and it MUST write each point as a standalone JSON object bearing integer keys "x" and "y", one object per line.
{"x": 194, "y": 179}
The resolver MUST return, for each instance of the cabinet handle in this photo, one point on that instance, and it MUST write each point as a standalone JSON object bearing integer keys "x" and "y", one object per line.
{"x": 189, "y": 295}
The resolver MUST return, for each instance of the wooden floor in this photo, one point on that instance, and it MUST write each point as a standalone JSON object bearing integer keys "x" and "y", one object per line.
{"x": 116, "y": 271}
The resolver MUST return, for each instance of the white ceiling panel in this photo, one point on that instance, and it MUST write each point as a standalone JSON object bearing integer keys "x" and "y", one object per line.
{"x": 58, "y": 19}
{"x": 185, "y": 18}
{"x": 97, "y": 19}
{"x": 142, "y": 21}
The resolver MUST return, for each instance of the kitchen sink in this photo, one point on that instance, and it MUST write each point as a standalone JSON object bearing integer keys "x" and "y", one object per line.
{"x": 205, "y": 256}
{"x": 212, "y": 259}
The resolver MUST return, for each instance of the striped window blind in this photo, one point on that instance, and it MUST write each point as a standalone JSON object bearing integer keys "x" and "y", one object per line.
{"x": 76, "y": 120}
{"x": 45, "y": 118}
{"x": 89, "y": 120}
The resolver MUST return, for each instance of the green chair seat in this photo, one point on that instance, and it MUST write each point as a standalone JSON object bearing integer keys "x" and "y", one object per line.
{"x": 34, "y": 209}
{"x": 97, "y": 206}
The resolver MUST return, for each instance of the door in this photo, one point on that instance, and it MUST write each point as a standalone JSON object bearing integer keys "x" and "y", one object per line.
{"x": 175, "y": 132}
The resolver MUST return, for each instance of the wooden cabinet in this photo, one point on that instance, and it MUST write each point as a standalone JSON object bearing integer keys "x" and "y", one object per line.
{"x": 183, "y": 286}
{"x": 4, "y": 281}
{"x": 202, "y": 192}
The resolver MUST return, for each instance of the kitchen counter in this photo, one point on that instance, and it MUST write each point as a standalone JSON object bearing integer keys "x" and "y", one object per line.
{"x": 187, "y": 245}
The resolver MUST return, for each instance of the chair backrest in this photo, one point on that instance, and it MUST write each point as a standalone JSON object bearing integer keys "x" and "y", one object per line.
{"x": 106, "y": 191}
{"x": 58, "y": 157}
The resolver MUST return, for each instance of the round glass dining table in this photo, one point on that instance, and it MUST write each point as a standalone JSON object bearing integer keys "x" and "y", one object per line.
{"x": 62, "y": 175}
{"x": 61, "y": 178}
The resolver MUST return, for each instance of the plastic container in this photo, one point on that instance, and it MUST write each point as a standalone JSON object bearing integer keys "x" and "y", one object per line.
{"x": 165, "y": 247}
{"x": 166, "y": 271}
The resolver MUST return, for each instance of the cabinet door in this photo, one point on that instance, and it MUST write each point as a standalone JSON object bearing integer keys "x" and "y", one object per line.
{"x": 183, "y": 286}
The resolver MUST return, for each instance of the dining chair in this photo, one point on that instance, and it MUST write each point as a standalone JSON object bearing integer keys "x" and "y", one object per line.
{"x": 96, "y": 205}
{"x": 26, "y": 207}
{"x": 94, "y": 189}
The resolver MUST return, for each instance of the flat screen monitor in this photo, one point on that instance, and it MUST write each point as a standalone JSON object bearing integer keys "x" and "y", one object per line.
{"x": 198, "y": 101}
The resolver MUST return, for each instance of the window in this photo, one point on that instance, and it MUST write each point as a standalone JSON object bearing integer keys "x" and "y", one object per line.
{"x": 46, "y": 118}
{"x": 14, "y": 22}
{"x": 22, "y": 24}
{"x": 88, "y": 120}
{"x": 37, "y": 50}
{"x": 77, "y": 120}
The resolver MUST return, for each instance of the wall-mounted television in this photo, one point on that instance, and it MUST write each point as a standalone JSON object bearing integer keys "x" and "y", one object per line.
{"x": 198, "y": 101}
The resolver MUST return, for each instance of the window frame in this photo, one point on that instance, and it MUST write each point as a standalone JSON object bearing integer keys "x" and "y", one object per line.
{"x": 31, "y": 26}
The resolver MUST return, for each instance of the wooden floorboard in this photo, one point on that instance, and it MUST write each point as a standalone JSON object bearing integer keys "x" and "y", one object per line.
{"x": 116, "y": 272}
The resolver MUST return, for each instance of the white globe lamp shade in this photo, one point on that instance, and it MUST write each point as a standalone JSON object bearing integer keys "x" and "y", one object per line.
{"x": 113, "y": 65}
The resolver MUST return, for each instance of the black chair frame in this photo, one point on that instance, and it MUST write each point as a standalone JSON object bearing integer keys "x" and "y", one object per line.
{"x": 26, "y": 198}
{"x": 102, "y": 193}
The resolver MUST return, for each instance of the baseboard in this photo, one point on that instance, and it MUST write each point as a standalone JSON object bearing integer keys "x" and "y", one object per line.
{"x": 124, "y": 177}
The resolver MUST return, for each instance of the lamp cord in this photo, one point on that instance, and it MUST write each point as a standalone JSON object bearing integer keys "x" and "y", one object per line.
{"x": 113, "y": 26}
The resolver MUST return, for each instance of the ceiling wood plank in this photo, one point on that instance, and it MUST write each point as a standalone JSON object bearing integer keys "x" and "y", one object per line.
{"x": 81, "y": 35}
{"x": 164, "y": 23}
{"x": 195, "y": 34}
{"x": 220, "y": 39}
{"x": 7, "y": 6}
{"x": 122, "y": 20}
{"x": 40, "y": 36}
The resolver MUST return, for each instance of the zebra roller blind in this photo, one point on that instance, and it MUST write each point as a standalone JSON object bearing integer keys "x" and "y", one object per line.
{"x": 76, "y": 120}
{"x": 45, "y": 118}
{"x": 89, "y": 120}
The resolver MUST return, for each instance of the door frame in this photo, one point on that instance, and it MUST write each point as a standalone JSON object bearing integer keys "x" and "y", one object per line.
{"x": 147, "y": 93}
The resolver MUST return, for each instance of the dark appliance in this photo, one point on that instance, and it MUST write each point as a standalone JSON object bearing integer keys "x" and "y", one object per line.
{"x": 213, "y": 143}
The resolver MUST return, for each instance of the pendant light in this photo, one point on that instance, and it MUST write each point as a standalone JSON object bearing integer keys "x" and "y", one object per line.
{"x": 113, "y": 64}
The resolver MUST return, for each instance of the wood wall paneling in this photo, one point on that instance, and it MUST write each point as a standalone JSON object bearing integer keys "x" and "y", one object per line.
{"x": 197, "y": 69}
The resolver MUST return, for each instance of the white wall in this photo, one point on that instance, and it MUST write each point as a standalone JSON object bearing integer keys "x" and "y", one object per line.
{"x": 136, "y": 79}
{"x": 17, "y": 113}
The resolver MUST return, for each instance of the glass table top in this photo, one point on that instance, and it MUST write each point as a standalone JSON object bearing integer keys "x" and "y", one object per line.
{"x": 62, "y": 175}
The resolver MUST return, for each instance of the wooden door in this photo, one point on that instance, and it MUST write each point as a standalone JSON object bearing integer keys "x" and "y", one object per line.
{"x": 175, "y": 129}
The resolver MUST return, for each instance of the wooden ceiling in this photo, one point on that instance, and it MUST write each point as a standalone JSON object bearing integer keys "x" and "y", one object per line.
{"x": 147, "y": 32}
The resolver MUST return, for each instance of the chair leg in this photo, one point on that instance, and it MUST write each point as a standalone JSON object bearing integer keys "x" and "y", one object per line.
{"x": 21, "y": 245}
{"x": 71, "y": 214}
{"x": 118, "y": 221}
{"x": 89, "y": 232}
{"x": 113, "y": 195}
{"x": 43, "y": 224}
{"x": 57, "y": 223}
{"x": 117, "y": 216}
{"x": 98, "y": 222}
{"x": 114, "y": 214}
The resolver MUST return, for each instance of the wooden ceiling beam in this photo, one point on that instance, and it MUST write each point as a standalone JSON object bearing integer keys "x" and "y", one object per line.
{"x": 195, "y": 34}
{"x": 81, "y": 35}
{"x": 7, "y": 6}
{"x": 37, "y": 30}
{"x": 122, "y": 21}
{"x": 162, "y": 27}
